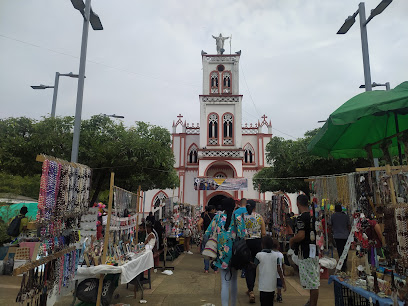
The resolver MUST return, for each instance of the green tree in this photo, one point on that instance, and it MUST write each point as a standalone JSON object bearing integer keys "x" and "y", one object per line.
{"x": 27, "y": 186}
{"x": 139, "y": 155}
{"x": 290, "y": 159}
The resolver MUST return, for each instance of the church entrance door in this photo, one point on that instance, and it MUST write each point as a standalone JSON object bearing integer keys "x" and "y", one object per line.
{"x": 217, "y": 201}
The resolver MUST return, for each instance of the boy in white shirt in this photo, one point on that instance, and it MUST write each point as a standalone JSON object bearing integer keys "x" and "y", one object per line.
{"x": 269, "y": 269}
{"x": 279, "y": 287}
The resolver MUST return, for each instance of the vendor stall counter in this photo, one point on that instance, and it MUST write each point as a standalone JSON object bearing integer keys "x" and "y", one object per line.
{"x": 348, "y": 295}
{"x": 128, "y": 272}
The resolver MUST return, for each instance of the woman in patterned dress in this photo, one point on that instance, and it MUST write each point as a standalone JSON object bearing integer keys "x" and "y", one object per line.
{"x": 255, "y": 230}
{"x": 227, "y": 228}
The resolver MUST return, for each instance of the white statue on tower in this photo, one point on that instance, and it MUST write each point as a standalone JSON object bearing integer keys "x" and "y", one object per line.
{"x": 219, "y": 41}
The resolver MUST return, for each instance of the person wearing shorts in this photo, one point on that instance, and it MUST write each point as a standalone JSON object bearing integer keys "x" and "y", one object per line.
{"x": 304, "y": 246}
{"x": 279, "y": 285}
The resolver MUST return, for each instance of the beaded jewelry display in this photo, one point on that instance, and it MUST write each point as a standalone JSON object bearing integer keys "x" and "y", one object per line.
{"x": 123, "y": 201}
{"x": 64, "y": 194}
{"x": 63, "y": 198}
{"x": 401, "y": 215}
{"x": 390, "y": 232}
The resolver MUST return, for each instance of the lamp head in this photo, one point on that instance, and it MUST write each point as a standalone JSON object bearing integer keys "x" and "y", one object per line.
{"x": 347, "y": 25}
{"x": 380, "y": 7}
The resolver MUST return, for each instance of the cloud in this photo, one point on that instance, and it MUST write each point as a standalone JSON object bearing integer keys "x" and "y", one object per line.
{"x": 146, "y": 63}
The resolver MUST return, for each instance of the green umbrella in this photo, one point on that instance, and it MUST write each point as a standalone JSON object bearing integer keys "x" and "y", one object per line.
{"x": 364, "y": 120}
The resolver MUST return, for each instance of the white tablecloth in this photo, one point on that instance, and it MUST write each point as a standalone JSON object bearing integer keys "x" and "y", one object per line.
{"x": 141, "y": 262}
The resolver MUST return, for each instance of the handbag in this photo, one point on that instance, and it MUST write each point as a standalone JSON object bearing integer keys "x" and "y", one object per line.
{"x": 241, "y": 254}
{"x": 210, "y": 248}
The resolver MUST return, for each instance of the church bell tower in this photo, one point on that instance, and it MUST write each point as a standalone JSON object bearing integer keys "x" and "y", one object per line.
{"x": 221, "y": 103}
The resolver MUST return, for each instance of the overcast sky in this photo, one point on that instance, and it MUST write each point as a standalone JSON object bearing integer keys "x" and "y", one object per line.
{"x": 146, "y": 63}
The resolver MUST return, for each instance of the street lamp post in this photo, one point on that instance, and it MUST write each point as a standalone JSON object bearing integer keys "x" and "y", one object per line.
{"x": 89, "y": 17}
{"x": 363, "y": 30}
{"x": 364, "y": 40}
{"x": 55, "y": 94}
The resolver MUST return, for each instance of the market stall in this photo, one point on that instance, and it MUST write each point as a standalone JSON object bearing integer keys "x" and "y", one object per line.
{"x": 138, "y": 262}
{"x": 375, "y": 200}
{"x": 180, "y": 221}
{"x": 48, "y": 256}
{"x": 119, "y": 252}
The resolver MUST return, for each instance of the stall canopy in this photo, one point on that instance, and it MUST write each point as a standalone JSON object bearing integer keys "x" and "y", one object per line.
{"x": 364, "y": 121}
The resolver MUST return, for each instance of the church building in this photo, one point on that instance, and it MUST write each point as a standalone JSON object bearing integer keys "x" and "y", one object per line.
{"x": 220, "y": 147}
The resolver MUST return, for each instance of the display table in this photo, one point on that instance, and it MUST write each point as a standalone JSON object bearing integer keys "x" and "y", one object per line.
{"x": 139, "y": 263}
{"x": 346, "y": 294}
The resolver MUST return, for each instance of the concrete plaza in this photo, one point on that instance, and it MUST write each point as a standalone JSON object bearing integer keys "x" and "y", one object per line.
{"x": 187, "y": 286}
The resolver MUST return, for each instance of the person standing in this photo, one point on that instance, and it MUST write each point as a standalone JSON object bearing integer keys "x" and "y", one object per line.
{"x": 159, "y": 230}
{"x": 151, "y": 218}
{"x": 376, "y": 239}
{"x": 239, "y": 211}
{"x": 279, "y": 281}
{"x": 242, "y": 207}
{"x": 151, "y": 238}
{"x": 269, "y": 271}
{"x": 255, "y": 230}
{"x": 228, "y": 227}
{"x": 187, "y": 233}
{"x": 305, "y": 247}
{"x": 202, "y": 224}
{"x": 340, "y": 224}
{"x": 18, "y": 225}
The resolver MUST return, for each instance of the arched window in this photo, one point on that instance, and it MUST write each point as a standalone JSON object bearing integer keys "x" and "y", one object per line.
{"x": 159, "y": 199}
{"x": 192, "y": 155}
{"x": 249, "y": 155}
{"x": 220, "y": 175}
{"x": 214, "y": 86}
{"x": 228, "y": 129}
{"x": 213, "y": 129}
{"x": 226, "y": 82}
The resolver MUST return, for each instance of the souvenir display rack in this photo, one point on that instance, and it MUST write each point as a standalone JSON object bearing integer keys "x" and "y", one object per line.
{"x": 264, "y": 209}
{"x": 380, "y": 192}
{"x": 124, "y": 201}
{"x": 120, "y": 243}
{"x": 278, "y": 210}
{"x": 179, "y": 219}
{"x": 40, "y": 282}
{"x": 63, "y": 198}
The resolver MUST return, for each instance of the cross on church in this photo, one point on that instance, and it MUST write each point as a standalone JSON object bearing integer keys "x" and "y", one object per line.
{"x": 264, "y": 117}
{"x": 179, "y": 116}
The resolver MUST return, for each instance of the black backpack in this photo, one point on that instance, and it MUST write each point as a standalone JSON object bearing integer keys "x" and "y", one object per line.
{"x": 14, "y": 227}
{"x": 241, "y": 254}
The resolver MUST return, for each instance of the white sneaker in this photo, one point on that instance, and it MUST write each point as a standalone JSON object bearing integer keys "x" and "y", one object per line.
{"x": 189, "y": 252}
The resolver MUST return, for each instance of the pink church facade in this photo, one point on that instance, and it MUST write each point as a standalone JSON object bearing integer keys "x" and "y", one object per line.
{"x": 220, "y": 145}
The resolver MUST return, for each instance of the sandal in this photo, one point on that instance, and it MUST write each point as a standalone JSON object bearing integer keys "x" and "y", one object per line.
{"x": 251, "y": 297}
